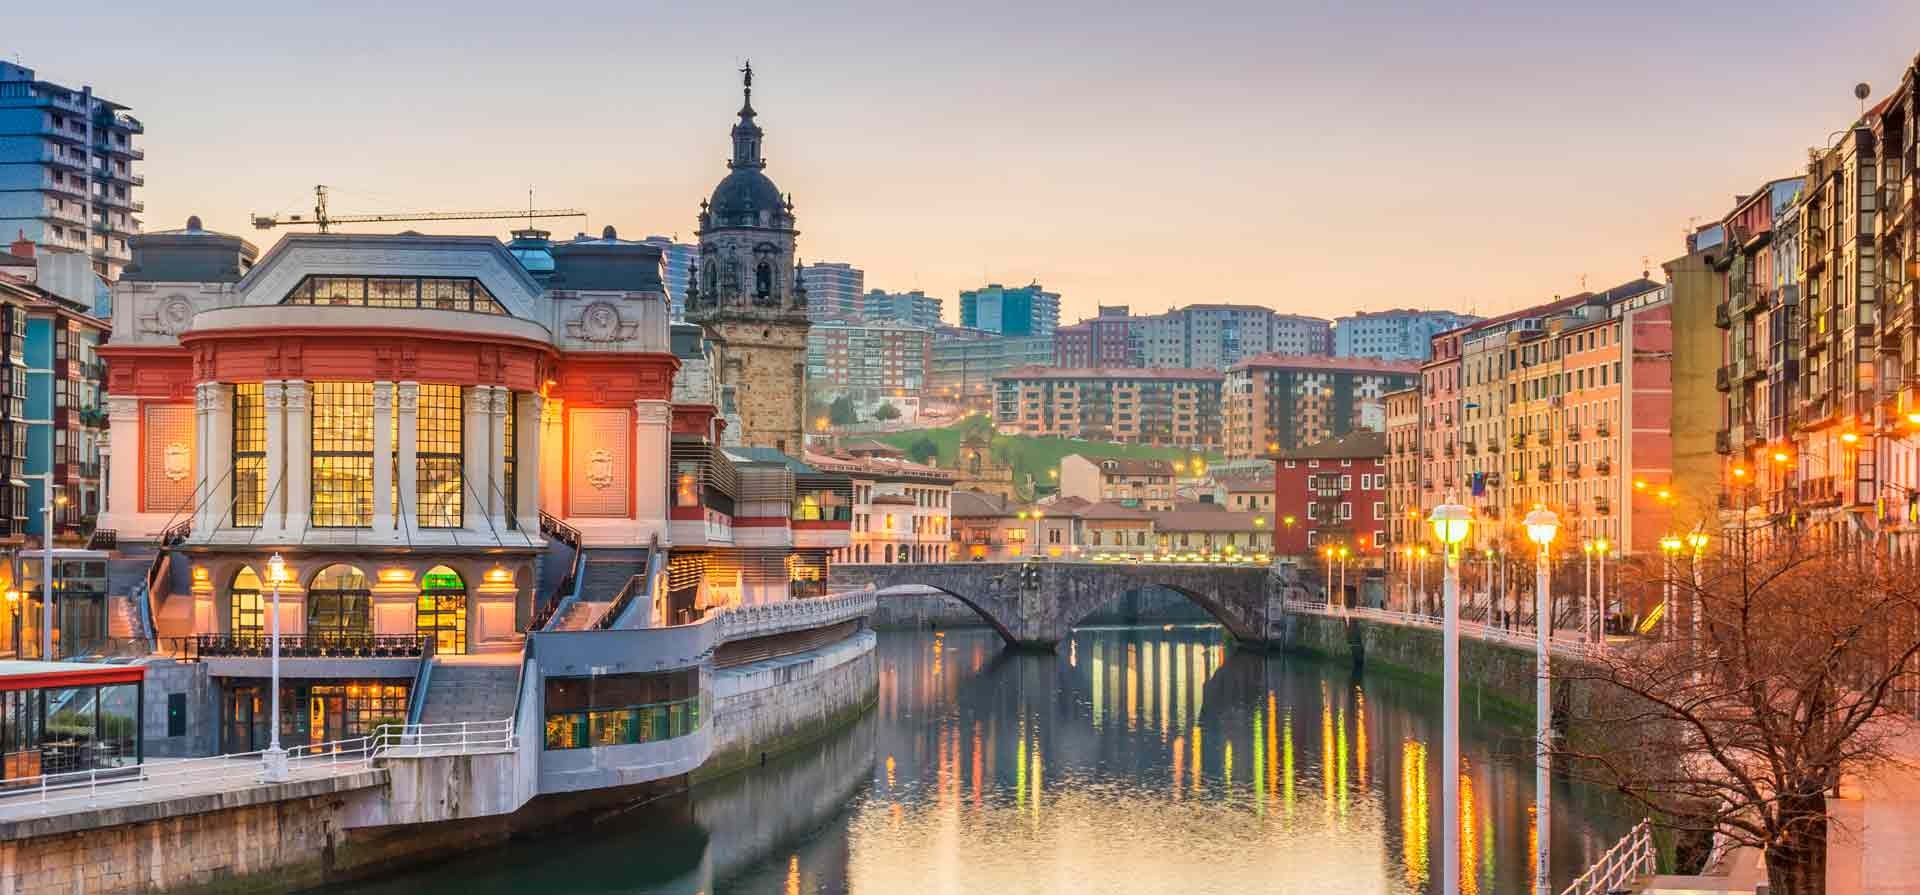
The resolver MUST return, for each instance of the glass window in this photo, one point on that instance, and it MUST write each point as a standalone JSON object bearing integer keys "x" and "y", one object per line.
{"x": 510, "y": 451}
{"x": 438, "y": 293}
{"x": 246, "y": 615}
{"x": 439, "y": 440}
{"x": 249, "y": 455}
{"x": 442, "y": 610}
{"x": 621, "y": 709}
{"x": 339, "y": 603}
{"x": 342, "y": 454}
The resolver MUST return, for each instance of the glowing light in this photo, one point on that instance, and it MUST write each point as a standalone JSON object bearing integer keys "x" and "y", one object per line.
{"x": 1850, "y": 437}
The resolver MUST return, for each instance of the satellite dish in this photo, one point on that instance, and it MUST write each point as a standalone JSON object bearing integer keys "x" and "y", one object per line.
{"x": 1861, "y": 91}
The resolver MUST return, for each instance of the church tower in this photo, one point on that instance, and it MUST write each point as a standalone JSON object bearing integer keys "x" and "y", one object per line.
{"x": 745, "y": 290}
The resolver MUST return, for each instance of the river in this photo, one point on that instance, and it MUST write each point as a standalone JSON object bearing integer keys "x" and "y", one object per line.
{"x": 1136, "y": 760}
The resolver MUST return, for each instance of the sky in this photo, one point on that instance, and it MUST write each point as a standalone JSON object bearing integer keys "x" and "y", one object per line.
{"x": 1319, "y": 158}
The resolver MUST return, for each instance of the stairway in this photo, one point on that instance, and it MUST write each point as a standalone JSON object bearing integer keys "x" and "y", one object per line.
{"x": 123, "y": 621}
{"x": 470, "y": 691}
{"x": 579, "y": 615}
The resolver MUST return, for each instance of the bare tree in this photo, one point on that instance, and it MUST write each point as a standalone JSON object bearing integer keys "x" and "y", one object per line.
{"x": 1780, "y": 668}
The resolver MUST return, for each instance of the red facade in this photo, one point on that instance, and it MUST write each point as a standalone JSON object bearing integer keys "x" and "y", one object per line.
{"x": 1335, "y": 494}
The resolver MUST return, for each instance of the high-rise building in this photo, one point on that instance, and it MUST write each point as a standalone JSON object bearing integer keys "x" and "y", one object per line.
{"x": 750, "y": 298}
{"x": 1217, "y": 336}
{"x": 1011, "y": 311}
{"x": 1404, "y": 334}
{"x": 869, "y": 362}
{"x": 834, "y": 290}
{"x": 965, "y": 362}
{"x": 1167, "y": 408}
{"x": 914, "y": 308}
{"x": 1112, "y": 339}
{"x": 65, "y": 154}
{"x": 681, "y": 260}
{"x": 1283, "y": 402}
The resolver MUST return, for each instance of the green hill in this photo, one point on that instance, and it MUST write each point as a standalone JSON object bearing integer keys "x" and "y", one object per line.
{"x": 1029, "y": 456}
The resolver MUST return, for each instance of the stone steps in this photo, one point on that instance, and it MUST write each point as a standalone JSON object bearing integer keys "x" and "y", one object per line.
{"x": 123, "y": 621}
{"x": 470, "y": 692}
{"x": 580, "y": 615}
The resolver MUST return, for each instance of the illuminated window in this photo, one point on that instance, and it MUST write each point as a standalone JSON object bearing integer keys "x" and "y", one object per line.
{"x": 342, "y": 454}
{"x": 512, "y": 496}
{"x": 435, "y": 293}
{"x": 339, "y": 603}
{"x": 439, "y": 437}
{"x": 442, "y": 610}
{"x": 245, "y": 615}
{"x": 249, "y": 456}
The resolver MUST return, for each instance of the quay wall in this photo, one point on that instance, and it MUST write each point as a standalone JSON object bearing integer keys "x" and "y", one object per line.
{"x": 924, "y": 607}
{"x": 765, "y": 708}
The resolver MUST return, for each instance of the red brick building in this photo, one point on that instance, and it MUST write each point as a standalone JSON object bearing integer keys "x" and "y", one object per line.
{"x": 1333, "y": 493}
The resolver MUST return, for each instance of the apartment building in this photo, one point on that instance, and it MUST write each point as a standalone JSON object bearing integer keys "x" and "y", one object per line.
{"x": 1403, "y": 334}
{"x": 1166, "y": 408}
{"x": 871, "y": 363}
{"x": 67, "y": 154}
{"x": 1333, "y": 493}
{"x": 1404, "y": 523}
{"x": 1278, "y": 402}
{"x": 1131, "y": 483}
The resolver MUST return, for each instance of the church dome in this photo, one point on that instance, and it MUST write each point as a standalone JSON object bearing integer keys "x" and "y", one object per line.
{"x": 745, "y": 193}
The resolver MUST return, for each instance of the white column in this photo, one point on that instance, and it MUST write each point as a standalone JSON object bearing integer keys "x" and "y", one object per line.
{"x": 274, "y": 521}
{"x": 383, "y": 460}
{"x": 299, "y": 448}
{"x": 214, "y": 447}
{"x": 499, "y": 404}
{"x": 123, "y": 468}
{"x": 407, "y": 405}
{"x": 202, "y": 508}
{"x": 527, "y": 430}
{"x": 476, "y": 418}
{"x": 552, "y": 464}
{"x": 652, "y": 432}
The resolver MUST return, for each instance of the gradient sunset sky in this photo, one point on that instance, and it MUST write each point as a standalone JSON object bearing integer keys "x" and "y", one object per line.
{"x": 1314, "y": 158}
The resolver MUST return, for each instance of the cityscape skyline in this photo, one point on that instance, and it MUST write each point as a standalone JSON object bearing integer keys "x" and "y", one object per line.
{"x": 992, "y": 210}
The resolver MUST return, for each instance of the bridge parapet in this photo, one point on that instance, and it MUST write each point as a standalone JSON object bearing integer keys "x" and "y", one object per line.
{"x": 1037, "y": 604}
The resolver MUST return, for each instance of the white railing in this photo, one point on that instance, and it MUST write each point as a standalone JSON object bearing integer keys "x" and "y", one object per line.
{"x": 1519, "y": 638}
{"x": 1629, "y": 859}
{"x": 791, "y": 615}
{"x": 159, "y": 780}
{"x": 446, "y": 738}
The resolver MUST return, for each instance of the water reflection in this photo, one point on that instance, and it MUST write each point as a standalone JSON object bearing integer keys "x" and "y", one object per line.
{"x": 1136, "y": 760}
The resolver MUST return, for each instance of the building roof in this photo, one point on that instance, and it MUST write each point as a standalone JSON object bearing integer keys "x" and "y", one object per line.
{"x": 1127, "y": 465}
{"x": 1206, "y": 517}
{"x": 1080, "y": 508}
{"x": 878, "y": 468}
{"x": 981, "y": 505}
{"x": 1362, "y": 444}
{"x": 1038, "y": 371}
{"x": 1321, "y": 362}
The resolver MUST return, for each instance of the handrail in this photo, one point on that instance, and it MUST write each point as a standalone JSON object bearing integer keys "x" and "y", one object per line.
{"x": 295, "y": 646}
{"x": 561, "y": 531}
{"x": 173, "y": 778}
{"x": 568, "y": 589}
{"x": 1521, "y": 638}
{"x": 636, "y": 584}
{"x": 1633, "y": 856}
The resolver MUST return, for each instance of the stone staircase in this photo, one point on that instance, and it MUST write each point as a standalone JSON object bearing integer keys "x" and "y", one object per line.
{"x": 604, "y": 575}
{"x": 123, "y": 620}
{"x": 579, "y": 615}
{"x": 470, "y": 691}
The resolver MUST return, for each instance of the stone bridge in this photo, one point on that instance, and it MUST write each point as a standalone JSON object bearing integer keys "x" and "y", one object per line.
{"x": 1037, "y": 604}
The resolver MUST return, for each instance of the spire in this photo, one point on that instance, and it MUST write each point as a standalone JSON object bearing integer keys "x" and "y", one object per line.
{"x": 746, "y": 134}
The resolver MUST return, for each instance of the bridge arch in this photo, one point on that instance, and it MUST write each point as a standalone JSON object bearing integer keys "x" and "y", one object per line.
{"x": 979, "y": 608}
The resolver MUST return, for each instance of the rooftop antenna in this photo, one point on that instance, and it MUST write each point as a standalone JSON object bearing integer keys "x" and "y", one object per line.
{"x": 529, "y": 208}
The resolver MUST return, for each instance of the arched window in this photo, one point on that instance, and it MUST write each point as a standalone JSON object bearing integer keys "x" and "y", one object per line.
{"x": 712, "y": 274}
{"x": 888, "y": 553}
{"x": 244, "y": 615}
{"x": 339, "y": 603}
{"x": 442, "y": 610}
{"x": 763, "y": 280}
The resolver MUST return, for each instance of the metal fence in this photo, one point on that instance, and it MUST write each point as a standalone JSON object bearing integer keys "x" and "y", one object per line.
{"x": 1628, "y": 860}
{"x": 1520, "y": 638}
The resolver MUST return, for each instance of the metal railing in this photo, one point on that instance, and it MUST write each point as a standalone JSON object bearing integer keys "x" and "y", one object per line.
{"x": 306, "y": 646}
{"x": 1630, "y": 858}
{"x": 1519, "y": 637}
{"x": 171, "y": 779}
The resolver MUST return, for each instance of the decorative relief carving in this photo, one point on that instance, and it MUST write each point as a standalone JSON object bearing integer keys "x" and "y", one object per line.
{"x": 274, "y": 395}
{"x": 600, "y": 469}
{"x": 653, "y": 412}
{"x": 179, "y": 461}
{"x": 382, "y": 397}
{"x": 407, "y": 397}
{"x": 296, "y": 395}
{"x": 123, "y": 407}
{"x": 501, "y": 403}
{"x": 601, "y": 322}
{"x": 170, "y": 316}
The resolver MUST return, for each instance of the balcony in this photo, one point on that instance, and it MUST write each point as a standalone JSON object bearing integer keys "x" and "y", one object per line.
{"x": 1546, "y": 472}
{"x": 1573, "y": 469}
{"x": 1448, "y": 450}
{"x": 316, "y": 646}
{"x": 1721, "y": 318}
{"x": 1573, "y": 432}
{"x": 1546, "y": 438}
{"x": 1426, "y": 484}
{"x": 1493, "y": 445}
{"x": 1602, "y": 429}
{"x": 1426, "y": 453}
{"x": 1603, "y": 506}
{"x": 1723, "y": 441}
{"x": 1473, "y": 448}
{"x": 1760, "y": 299}
{"x": 1722, "y": 381}
{"x": 1519, "y": 439}
{"x": 1603, "y": 466}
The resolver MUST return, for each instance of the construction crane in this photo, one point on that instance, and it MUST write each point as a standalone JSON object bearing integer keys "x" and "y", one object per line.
{"x": 323, "y": 220}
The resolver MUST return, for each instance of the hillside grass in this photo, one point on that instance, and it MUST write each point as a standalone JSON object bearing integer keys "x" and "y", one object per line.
{"x": 1029, "y": 455}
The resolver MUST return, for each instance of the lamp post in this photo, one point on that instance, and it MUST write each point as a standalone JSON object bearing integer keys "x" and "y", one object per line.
{"x": 1451, "y": 523}
{"x": 1344, "y": 553}
{"x": 274, "y": 761}
{"x": 1586, "y": 601}
{"x": 1328, "y": 553}
{"x": 1698, "y": 541}
{"x": 13, "y": 606}
{"x": 1420, "y": 552}
{"x": 1669, "y": 546}
{"x": 1542, "y": 525}
{"x": 46, "y": 573}
{"x": 1600, "y": 548}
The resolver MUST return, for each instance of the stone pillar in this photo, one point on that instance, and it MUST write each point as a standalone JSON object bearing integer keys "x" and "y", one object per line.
{"x": 383, "y": 460}
{"x": 123, "y": 469}
{"x": 273, "y": 522}
{"x": 527, "y": 429}
{"x": 214, "y": 449}
{"x": 476, "y": 458}
{"x": 499, "y": 404}
{"x": 407, "y": 405}
{"x": 553, "y": 451}
{"x": 299, "y": 450}
{"x": 652, "y": 432}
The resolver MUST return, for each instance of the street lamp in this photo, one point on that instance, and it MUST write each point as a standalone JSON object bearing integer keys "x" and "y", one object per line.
{"x": 1669, "y": 545}
{"x": 1586, "y": 600}
{"x": 274, "y": 761}
{"x": 1698, "y": 541}
{"x": 1451, "y": 524}
{"x": 13, "y": 606}
{"x": 46, "y": 574}
{"x": 1344, "y": 553}
{"x": 1600, "y": 548}
{"x": 1542, "y": 525}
